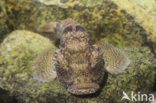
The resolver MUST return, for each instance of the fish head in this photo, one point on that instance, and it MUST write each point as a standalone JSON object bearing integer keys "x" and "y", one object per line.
{"x": 74, "y": 37}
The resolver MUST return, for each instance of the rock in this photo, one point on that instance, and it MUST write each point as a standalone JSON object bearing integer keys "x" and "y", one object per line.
{"x": 20, "y": 48}
{"x": 144, "y": 12}
{"x": 103, "y": 20}
{"x": 5, "y": 97}
{"x": 4, "y": 29}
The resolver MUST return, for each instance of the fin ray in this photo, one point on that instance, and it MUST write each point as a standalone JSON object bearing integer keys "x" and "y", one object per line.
{"x": 44, "y": 66}
{"x": 115, "y": 60}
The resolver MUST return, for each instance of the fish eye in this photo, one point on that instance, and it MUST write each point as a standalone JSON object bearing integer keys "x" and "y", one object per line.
{"x": 67, "y": 29}
{"x": 80, "y": 28}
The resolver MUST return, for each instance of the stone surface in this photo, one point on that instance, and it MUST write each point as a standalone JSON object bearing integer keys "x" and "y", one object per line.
{"x": 144, "y": 12}
{"x": 103, "y": 19}
{"x": 4, "y": 29}
{"x": 20, "y": 48}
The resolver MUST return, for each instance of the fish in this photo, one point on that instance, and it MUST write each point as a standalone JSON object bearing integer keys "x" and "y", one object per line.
{"x": 78, "y": 64}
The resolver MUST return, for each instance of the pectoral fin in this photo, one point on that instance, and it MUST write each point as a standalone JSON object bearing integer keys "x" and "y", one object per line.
{"x": 44, "y": 66}
{"x": 115, "y": 60}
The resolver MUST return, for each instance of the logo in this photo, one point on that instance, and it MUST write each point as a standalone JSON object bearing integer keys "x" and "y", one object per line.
{"x": 138, "y": 97}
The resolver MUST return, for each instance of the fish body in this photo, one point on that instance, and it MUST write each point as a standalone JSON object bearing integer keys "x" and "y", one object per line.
{"x": 79, "y": 65}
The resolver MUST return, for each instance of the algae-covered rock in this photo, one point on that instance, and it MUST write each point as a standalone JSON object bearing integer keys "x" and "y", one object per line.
{"x": 5, "y": 97}
{"x": 144, "y": 12}
{"x": 102, "y": 19}
{"x": 4, "y": 28}
{"x": 20, "y": 48}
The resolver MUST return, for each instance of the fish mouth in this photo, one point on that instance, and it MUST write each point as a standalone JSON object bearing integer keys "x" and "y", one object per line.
{"x": 83, "y": 88}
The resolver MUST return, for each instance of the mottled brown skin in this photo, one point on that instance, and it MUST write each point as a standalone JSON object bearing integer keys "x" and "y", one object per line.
{"x": 79, "y": 64}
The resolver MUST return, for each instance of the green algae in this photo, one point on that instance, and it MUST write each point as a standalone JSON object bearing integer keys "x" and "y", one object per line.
{"x": 4, "y": 29}
{"x": 103, "y": 19}
{"x": 144, "y": 12}
{"x": 20, "y": 48}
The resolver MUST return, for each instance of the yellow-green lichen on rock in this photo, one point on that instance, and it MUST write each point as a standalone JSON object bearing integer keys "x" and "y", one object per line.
{"x": 20, "y": 48}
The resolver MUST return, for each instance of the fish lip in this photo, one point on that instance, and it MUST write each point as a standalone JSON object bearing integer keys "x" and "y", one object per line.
{"x": 83, "y": 88}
